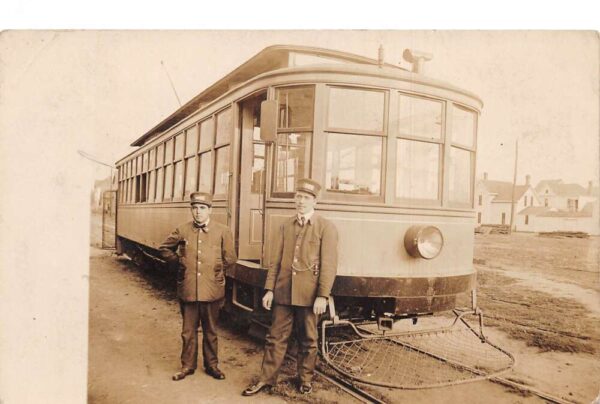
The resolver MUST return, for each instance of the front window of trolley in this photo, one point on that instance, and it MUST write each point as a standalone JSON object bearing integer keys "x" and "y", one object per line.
{"x": 355, "y": 139}
{"x": 294, "y": 137}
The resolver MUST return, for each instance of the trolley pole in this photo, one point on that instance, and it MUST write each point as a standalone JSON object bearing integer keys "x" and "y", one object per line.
{"x": 514, "y": 186}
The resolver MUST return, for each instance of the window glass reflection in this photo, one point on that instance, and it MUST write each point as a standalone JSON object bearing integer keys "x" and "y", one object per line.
{"x": 258, "y": 169}
{"x": 222, "y": 171}
{"x": 295, "y": 107}
{"x": 190, "y": 175}
{"x": 191, "y": 141}
{"x": 168, "y": 182}
{"x": 178, "y": 189}
{"x": 356, "y": 109}
{"x": 420, "y": 117}
{"x": 205, "y": 176}
{"x": 460, "y": 175}
{"x": 354, "y": 164}
{"x": 417, "y": 169}
{"x": 206, "y": 134}
{"x": 224, "y": 126}
{"x": 463, "y": 126}
{"x": 292, "y": 160}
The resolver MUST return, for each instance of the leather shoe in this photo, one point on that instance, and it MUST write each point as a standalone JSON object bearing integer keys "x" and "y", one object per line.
{"x": 215, "y": 372}
{"x": 255, "y": 388}
{"x": 305, "y": 388}
{"x": 183, "y": 373}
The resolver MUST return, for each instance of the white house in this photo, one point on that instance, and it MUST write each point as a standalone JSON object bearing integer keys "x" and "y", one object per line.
{"x": 564, "y": 207}
{"x": 493, "y": 200}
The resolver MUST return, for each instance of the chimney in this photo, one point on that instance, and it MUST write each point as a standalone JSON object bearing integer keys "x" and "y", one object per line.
{"x": 528, "y": 179}
{"x": 485, "y": 176}
{"x": 590, "y": 187}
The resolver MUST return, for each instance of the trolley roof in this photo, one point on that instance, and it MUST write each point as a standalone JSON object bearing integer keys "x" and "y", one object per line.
{"x": 269, "y": 59}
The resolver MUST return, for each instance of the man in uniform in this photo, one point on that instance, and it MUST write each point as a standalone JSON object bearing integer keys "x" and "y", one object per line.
{"x": 298, "y": 284}
{"x": 201, "y": 251}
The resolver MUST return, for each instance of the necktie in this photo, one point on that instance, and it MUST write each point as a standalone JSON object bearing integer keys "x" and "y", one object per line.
{"x": 302, "y": 221}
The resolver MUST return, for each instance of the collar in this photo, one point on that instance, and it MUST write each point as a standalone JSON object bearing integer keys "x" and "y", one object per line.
{"x": 203, "y": 226}
{"x": 307, "y": 217}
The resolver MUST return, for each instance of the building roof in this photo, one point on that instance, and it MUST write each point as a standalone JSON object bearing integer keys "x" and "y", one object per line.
{"x": 533, "y": 210}
{"x": 559, "y": 189}
{"x": 503, "y": 190}
{"x": 542, "y": 211}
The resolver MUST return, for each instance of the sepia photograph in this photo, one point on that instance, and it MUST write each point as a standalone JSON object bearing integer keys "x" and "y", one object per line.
{"x": 302, "y": 216}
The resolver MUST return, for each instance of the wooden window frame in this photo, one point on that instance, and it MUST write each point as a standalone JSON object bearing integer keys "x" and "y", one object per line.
{"x": 334, "y": 195}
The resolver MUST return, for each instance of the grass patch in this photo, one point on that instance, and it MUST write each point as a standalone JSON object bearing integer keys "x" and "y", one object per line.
{"x": 541, "y": 320}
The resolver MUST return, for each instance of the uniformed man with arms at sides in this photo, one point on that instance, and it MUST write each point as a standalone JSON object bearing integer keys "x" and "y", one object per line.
{"x": 201, "y": 251}
{"x": 299, "y": 281}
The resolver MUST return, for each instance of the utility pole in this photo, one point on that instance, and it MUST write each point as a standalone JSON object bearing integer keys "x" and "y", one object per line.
{"x": 514, "y": 186}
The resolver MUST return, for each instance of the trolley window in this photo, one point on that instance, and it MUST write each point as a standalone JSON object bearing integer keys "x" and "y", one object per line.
{"x": 354, "y": 164}
{"x": 293, "y": 160}
{"x": 356, "y": 109}
{"x": 419, "y": 149}
{"x": 294, "y": 136}
{"x": 160, "y": 155}
{"x": 459, "y": 175}
{"x": 463, "y": 127}
{"x": 169, "y": 151}
{"x": 179, "y": 139}
{"x": 355, "y": 143}
{"x": 191, "y": 171}
{"x": 152, "y": 186}
{"x": 191, "y": 141}
{"x": 462, "y": 156}
{"x": 223, "y": 127}
{"x": 152, "y": 159}
{"x": 417, "y": 170}
{"x": 222, "y": 171}
{"x": 296, "y": 105}
{"x": 168, "y": 191}
{"x": 159, "y": 184}
{"x": 205, "y": 175}
{"x": 178, "y": 183}
{"x": 206, "y": 134}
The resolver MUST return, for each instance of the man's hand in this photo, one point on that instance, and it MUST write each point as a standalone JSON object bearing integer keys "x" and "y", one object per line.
{"x": 320, "y": 305}
{"x": 267, "y": 299}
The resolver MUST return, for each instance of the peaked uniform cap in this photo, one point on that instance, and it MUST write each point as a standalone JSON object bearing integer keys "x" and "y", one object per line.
{"x": 309, "y": 186}
{"x": 201, "y": 197}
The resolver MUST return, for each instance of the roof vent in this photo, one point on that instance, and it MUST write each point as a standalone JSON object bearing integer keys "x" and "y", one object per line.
{"x": 417, "y": 58}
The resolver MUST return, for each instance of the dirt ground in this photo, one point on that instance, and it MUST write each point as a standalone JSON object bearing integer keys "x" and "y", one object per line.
{"x": 530, "y": 304}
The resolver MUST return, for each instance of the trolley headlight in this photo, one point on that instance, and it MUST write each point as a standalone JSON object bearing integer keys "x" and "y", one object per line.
{"x": 423, "y": 241}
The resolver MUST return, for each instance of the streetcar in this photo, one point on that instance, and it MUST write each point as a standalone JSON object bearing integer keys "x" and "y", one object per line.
{"x": 394, "y": 150}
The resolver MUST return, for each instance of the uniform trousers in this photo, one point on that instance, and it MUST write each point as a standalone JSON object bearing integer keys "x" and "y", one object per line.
{"x": 193, "y": 314}
{"x": 284, "y": 319}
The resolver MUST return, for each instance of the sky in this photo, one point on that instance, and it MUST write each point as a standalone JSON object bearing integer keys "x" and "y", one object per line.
{"x": 540, "y": 87}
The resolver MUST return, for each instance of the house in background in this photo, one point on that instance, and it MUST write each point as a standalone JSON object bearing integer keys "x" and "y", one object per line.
{"x": 570, "y": 197}
{"x": 493, "y": 200}
{"x": 99, "y": 187}
{"x": 564, "y": 207}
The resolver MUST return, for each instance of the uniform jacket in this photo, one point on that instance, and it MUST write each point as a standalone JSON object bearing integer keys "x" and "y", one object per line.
{"x": 201, "y": 258}
{"x": 304, "y": 261}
